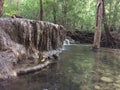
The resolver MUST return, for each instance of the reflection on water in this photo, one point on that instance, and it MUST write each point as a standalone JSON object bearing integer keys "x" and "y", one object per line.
{"x": 79, "y": 68}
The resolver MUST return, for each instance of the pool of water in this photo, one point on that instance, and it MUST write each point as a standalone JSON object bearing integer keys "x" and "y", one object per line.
{"x": 79, "y": 68}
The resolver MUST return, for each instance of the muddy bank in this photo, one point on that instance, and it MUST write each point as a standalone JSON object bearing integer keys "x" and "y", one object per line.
{"x": 88, "y": 37}
{"x": 24, "y": 40}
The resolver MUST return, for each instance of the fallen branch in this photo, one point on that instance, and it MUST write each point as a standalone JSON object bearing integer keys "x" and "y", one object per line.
{"x": 33, "y": 69}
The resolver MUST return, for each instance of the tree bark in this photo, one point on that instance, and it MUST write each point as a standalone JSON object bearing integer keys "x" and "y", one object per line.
{"x": 99, "y": 16}
{"x": 64, "y": 13}
{"x": 32, "y": 69}
{"x": 54, "y": 15}
{"x": 17, "y": 2}
{"x": 41, "y": 10}
{"x": 1, "y": 7}
{"x": 110, "y": 40}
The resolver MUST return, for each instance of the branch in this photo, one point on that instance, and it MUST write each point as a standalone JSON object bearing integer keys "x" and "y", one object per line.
{"x": 33, "y": 69}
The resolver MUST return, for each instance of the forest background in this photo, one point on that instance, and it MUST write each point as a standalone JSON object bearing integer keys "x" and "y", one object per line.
{"x": 73, "y": 14}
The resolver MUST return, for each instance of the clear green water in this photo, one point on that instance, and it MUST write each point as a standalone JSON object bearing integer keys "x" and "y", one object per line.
{"x": 79, "y": 68}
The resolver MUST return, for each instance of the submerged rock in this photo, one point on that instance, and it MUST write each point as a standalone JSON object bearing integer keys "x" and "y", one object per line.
{"x": 116, "y": 85}
{"x": 106, "y": 79}
{"x": 97, "y": 87}
{"x": 118, "y": 81}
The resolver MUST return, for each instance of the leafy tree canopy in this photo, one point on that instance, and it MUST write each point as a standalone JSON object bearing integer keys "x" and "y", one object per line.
{"x": 76, "y": 14}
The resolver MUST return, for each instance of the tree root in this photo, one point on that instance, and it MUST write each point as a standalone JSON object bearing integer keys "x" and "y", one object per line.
{"x": 28, "y": 70}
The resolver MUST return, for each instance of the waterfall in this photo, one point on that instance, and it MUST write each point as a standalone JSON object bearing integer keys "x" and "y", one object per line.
{"x": 66, "y": 42}
{"x": 22, "y": 39}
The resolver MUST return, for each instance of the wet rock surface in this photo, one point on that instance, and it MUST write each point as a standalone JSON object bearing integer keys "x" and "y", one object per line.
{"x": 22, "y": 39}
{"x": 106, "y": 79}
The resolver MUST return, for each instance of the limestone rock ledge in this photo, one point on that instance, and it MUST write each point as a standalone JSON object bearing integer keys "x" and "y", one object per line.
{"x": 21, "y": 39}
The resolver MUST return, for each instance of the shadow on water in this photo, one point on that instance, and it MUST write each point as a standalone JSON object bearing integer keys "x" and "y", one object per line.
{"x": 79, "y": 68}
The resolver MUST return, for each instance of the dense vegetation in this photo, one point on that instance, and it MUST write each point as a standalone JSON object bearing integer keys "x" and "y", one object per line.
{"x": 73, "y": 14}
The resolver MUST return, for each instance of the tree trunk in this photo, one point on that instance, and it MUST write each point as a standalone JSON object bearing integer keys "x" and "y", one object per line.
{"x": 99, "y": 15}
{"x": 17, "y": 2}
{"x": 64, "y": 13}
{"x": 110, "y": 40}
{"x": 1, "y": 7}
{"x": 54, "y": 14}
{"x": 41, "y": 10}
{"x": 33, "y": 69}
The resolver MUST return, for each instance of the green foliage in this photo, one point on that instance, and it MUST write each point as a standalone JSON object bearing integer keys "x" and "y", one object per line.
{"x": 10, "y": 8}
{"x": 73, "y": 14}
{"x": 22, "y": 7}
{"x": 30, "y": 9}
{"x": 113, "y": 14}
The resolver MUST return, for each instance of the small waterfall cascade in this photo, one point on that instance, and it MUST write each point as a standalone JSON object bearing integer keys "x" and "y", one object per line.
{"x": 66, "y": 42}
{"x": 22, "y": 39}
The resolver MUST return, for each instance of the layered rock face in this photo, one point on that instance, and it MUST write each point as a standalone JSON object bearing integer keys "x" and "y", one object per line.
{"x": 21, "y": 38}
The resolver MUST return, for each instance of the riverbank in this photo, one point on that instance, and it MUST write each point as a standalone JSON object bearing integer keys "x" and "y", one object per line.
{"x": 86, "y": 37}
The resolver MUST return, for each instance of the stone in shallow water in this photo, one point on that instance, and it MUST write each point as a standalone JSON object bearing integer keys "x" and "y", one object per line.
{"x": 106, "y": 79}
{"x": 97, "y": 87}
{"x": 118, "y": 81}
{"x": 116, "y": 85}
